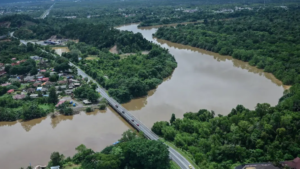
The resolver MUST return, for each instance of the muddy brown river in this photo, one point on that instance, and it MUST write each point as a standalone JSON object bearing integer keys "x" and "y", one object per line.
{"x": 202, "y": 80}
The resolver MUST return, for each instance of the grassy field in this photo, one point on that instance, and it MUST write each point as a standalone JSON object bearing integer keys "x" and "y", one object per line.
{"x": 92, "y": 57}
{"x": 184, "y": 154}
{"x": 45, "y": 106}
{"x": 71, "y": 165}
{"x": 173, "y": 165}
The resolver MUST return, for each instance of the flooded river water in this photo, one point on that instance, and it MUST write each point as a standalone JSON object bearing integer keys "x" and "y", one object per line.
{"x": 202, "y": 80}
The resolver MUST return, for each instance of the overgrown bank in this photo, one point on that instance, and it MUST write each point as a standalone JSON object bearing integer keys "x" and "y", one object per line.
{"x": 131, "y": 151}
{"x": 266, "y": 134}
{"x": 266, "y": 39}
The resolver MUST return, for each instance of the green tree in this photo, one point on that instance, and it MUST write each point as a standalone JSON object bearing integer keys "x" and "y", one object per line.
{"x": 147, "y": 154}
{"x": 128, "y": 135}
{"x": 56, "y": 159}
{"x": 52, "y": 96}
{"x": 158, "y": 127}
{"x": 173, "y": 118}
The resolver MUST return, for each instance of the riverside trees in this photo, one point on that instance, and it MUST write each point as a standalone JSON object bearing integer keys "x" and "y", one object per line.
{"x": 133, "y": 76}
{"x": 244, "y": 136}
{"x": 266, "y": 39}
{"x": 136, "y": 152}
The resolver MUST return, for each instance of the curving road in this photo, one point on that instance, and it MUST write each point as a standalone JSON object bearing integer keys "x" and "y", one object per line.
{"x": 174, "y": 155}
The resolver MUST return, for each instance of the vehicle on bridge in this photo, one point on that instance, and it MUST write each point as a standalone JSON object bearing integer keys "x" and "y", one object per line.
{"x": 190, "y": 166}
{"x": 132, "y": 120}
{"x": 137, "y": 125}
{"x": 117, "y": 106}
{"x": 123, "y": 112}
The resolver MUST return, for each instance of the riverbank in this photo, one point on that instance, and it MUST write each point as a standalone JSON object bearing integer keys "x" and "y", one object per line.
{"x": 238, "y": 63}
{"x": 201, "y": 80}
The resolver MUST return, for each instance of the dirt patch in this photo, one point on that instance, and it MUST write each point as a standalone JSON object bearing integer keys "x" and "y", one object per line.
{"x": 287, "y": 87}
{"x": 114, "y": 50}
{"x": 125, "y": 55}
{"x": 5, "y": 40}
{"x": 92, "y": 57}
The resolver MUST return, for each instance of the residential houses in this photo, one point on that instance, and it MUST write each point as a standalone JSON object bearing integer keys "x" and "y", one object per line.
{"x": 294, "y": 164}
{"x": 2, "y": 69}
{"x": 19, "y": 96}
{"x": 32, "y": 84}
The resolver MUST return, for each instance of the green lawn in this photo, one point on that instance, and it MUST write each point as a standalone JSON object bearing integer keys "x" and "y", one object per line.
{"x": 45, "y": 106}
{"x": 173, "y": 165}
{"x": 92, "y": 57}
{"x": 72, "y": 167}
{"x": 23, "y": 86}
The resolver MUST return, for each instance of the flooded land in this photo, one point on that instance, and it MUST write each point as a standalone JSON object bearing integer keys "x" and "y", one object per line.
{"x": 202, "y": 80}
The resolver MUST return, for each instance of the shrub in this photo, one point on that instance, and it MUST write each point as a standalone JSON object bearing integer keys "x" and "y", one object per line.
{"x": 89, "y": 109}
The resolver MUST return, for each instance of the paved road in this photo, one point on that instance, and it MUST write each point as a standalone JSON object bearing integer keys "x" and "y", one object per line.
{"x": 46, "y": 13}
{"x": 174, "y": 155}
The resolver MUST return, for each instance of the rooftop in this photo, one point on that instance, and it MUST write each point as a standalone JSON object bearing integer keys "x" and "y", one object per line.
{"x": 86, "y": 102}
{"x": 60, "y": 102}
{"x": 10, "y": 91}
{"x": 19, "y": 96}
{"x": 5, "y": 84}
{"x": 295, "y": 164}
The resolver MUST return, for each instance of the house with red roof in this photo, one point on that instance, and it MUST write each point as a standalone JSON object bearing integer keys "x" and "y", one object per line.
{"x": 2, "y": 73}
{"x": 19, "y": 96}
{"x": 36, "y": 84}
{"x": 13, "y": 58}
{"x": 5, "y": 84}
{"x": 45, "y": 79}
{"x": 62, "y": 82}
{"x": 295, "y": 164}
{"x": 43, "y": 70}
{"x": 60, "y": 102}
{"x": 10, "y": 91}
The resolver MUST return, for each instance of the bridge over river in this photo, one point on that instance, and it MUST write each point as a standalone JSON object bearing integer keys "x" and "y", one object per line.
{"x": 174, "y": 155}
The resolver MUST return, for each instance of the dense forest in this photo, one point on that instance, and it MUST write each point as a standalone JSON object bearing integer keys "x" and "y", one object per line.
{"x": 266, "y": 134}
{"x": 132, "y": 151}
{"x": 267, "y": 39}
{"x": 129, "y": 77}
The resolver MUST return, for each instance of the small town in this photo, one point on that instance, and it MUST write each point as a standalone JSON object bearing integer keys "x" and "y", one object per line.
{"x": 37, "y": 87}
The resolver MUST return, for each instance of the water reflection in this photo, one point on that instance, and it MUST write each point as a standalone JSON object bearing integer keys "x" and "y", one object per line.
{"x": 45, "y": 135}
{"x": 59, "y": 118}
{"x": 95, "y": 112}
{"x": 27, "y": 125}
{"x": 8, "y": 123}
